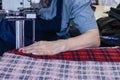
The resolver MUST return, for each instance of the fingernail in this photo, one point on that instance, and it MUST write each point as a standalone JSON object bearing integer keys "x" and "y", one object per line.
{"x": 24, "y": 51}
{"x": 20, "y": 50}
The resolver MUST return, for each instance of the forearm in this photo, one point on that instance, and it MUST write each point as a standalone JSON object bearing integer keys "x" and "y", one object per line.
{"x": 86, "y": 40}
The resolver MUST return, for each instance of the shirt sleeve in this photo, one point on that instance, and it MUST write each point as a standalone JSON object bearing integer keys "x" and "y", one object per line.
{"x": 83, "y": 16}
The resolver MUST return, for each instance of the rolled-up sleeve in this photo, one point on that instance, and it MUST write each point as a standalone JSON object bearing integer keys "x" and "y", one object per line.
{"x": 83, "y": 16}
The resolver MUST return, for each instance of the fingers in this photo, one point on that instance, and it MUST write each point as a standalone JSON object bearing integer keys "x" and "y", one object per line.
{"x": 36, "y": 50}
{"x": 26, "y": 49}
{"x": 45, "y": 48}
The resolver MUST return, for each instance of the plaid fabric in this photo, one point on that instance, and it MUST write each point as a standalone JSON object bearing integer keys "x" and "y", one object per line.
{"x": 110, "y": 54}
{"x": 17, "y": 67}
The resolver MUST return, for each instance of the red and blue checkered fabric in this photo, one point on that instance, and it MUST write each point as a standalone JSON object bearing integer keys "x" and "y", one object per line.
{"x": 109, "y": 54}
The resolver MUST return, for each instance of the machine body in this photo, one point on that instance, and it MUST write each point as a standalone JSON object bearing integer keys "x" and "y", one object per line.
{"x": 20, "y": 11}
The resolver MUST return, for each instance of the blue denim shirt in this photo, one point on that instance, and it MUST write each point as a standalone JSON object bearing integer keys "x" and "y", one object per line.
{"x": 79, "y": 11}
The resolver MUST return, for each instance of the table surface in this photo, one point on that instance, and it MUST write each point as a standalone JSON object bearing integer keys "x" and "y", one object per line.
{"x": 84, "y": 64}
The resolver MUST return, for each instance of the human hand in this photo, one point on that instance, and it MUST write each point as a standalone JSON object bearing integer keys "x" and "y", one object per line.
{"x": 45, "y": 48}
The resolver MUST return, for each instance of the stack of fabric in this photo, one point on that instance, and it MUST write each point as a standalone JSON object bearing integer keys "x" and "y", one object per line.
{"x": 84, "y": 64}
